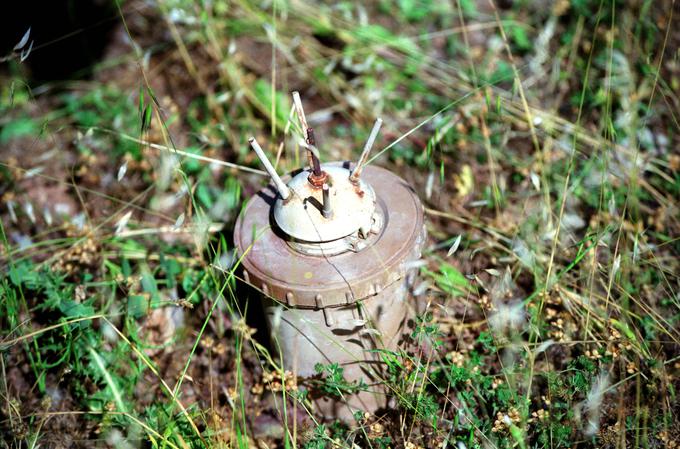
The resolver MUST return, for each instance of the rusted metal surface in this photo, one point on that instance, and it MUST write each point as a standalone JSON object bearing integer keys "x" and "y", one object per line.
{"x": 339, "y": 308}
{"x": 316, "y": 164}
{"x": 305, "y": 281}
{"x": 317, "y": 180}
{"x": 331, "y": 254}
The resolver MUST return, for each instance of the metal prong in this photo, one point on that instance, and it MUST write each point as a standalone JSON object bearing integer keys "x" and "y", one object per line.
{"x": 300, "y": 112}
{"x": 283, "y": 189}
{"x": 297, "y": 102}
{"x": 326, "y": 210}
{"x": 316, "y": 165}
{"x": 356, "y": 173}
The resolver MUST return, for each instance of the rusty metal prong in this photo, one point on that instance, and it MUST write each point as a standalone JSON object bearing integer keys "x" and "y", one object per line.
{"x": 316, "y": 164}
{"x": 283, "y": 189}
{"x": 326, "y": 209}
{"x": 356, "y": 173}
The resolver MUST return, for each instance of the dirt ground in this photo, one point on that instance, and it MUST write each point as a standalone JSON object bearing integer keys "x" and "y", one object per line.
{"x": 50, "y": 170}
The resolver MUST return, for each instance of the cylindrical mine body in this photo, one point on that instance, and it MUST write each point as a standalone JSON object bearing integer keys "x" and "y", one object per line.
{"x": 328, "y": 306}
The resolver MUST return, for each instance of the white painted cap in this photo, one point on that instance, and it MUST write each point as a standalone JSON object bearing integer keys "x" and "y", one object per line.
{"x": 300, "y": 216}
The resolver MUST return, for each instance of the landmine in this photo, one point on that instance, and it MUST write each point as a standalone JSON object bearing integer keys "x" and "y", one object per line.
{"x": 331, "y": 249}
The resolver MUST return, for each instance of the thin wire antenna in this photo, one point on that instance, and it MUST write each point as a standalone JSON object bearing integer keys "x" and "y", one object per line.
{"x": 283, "y": 189}
{"x": 356, "y": 173}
